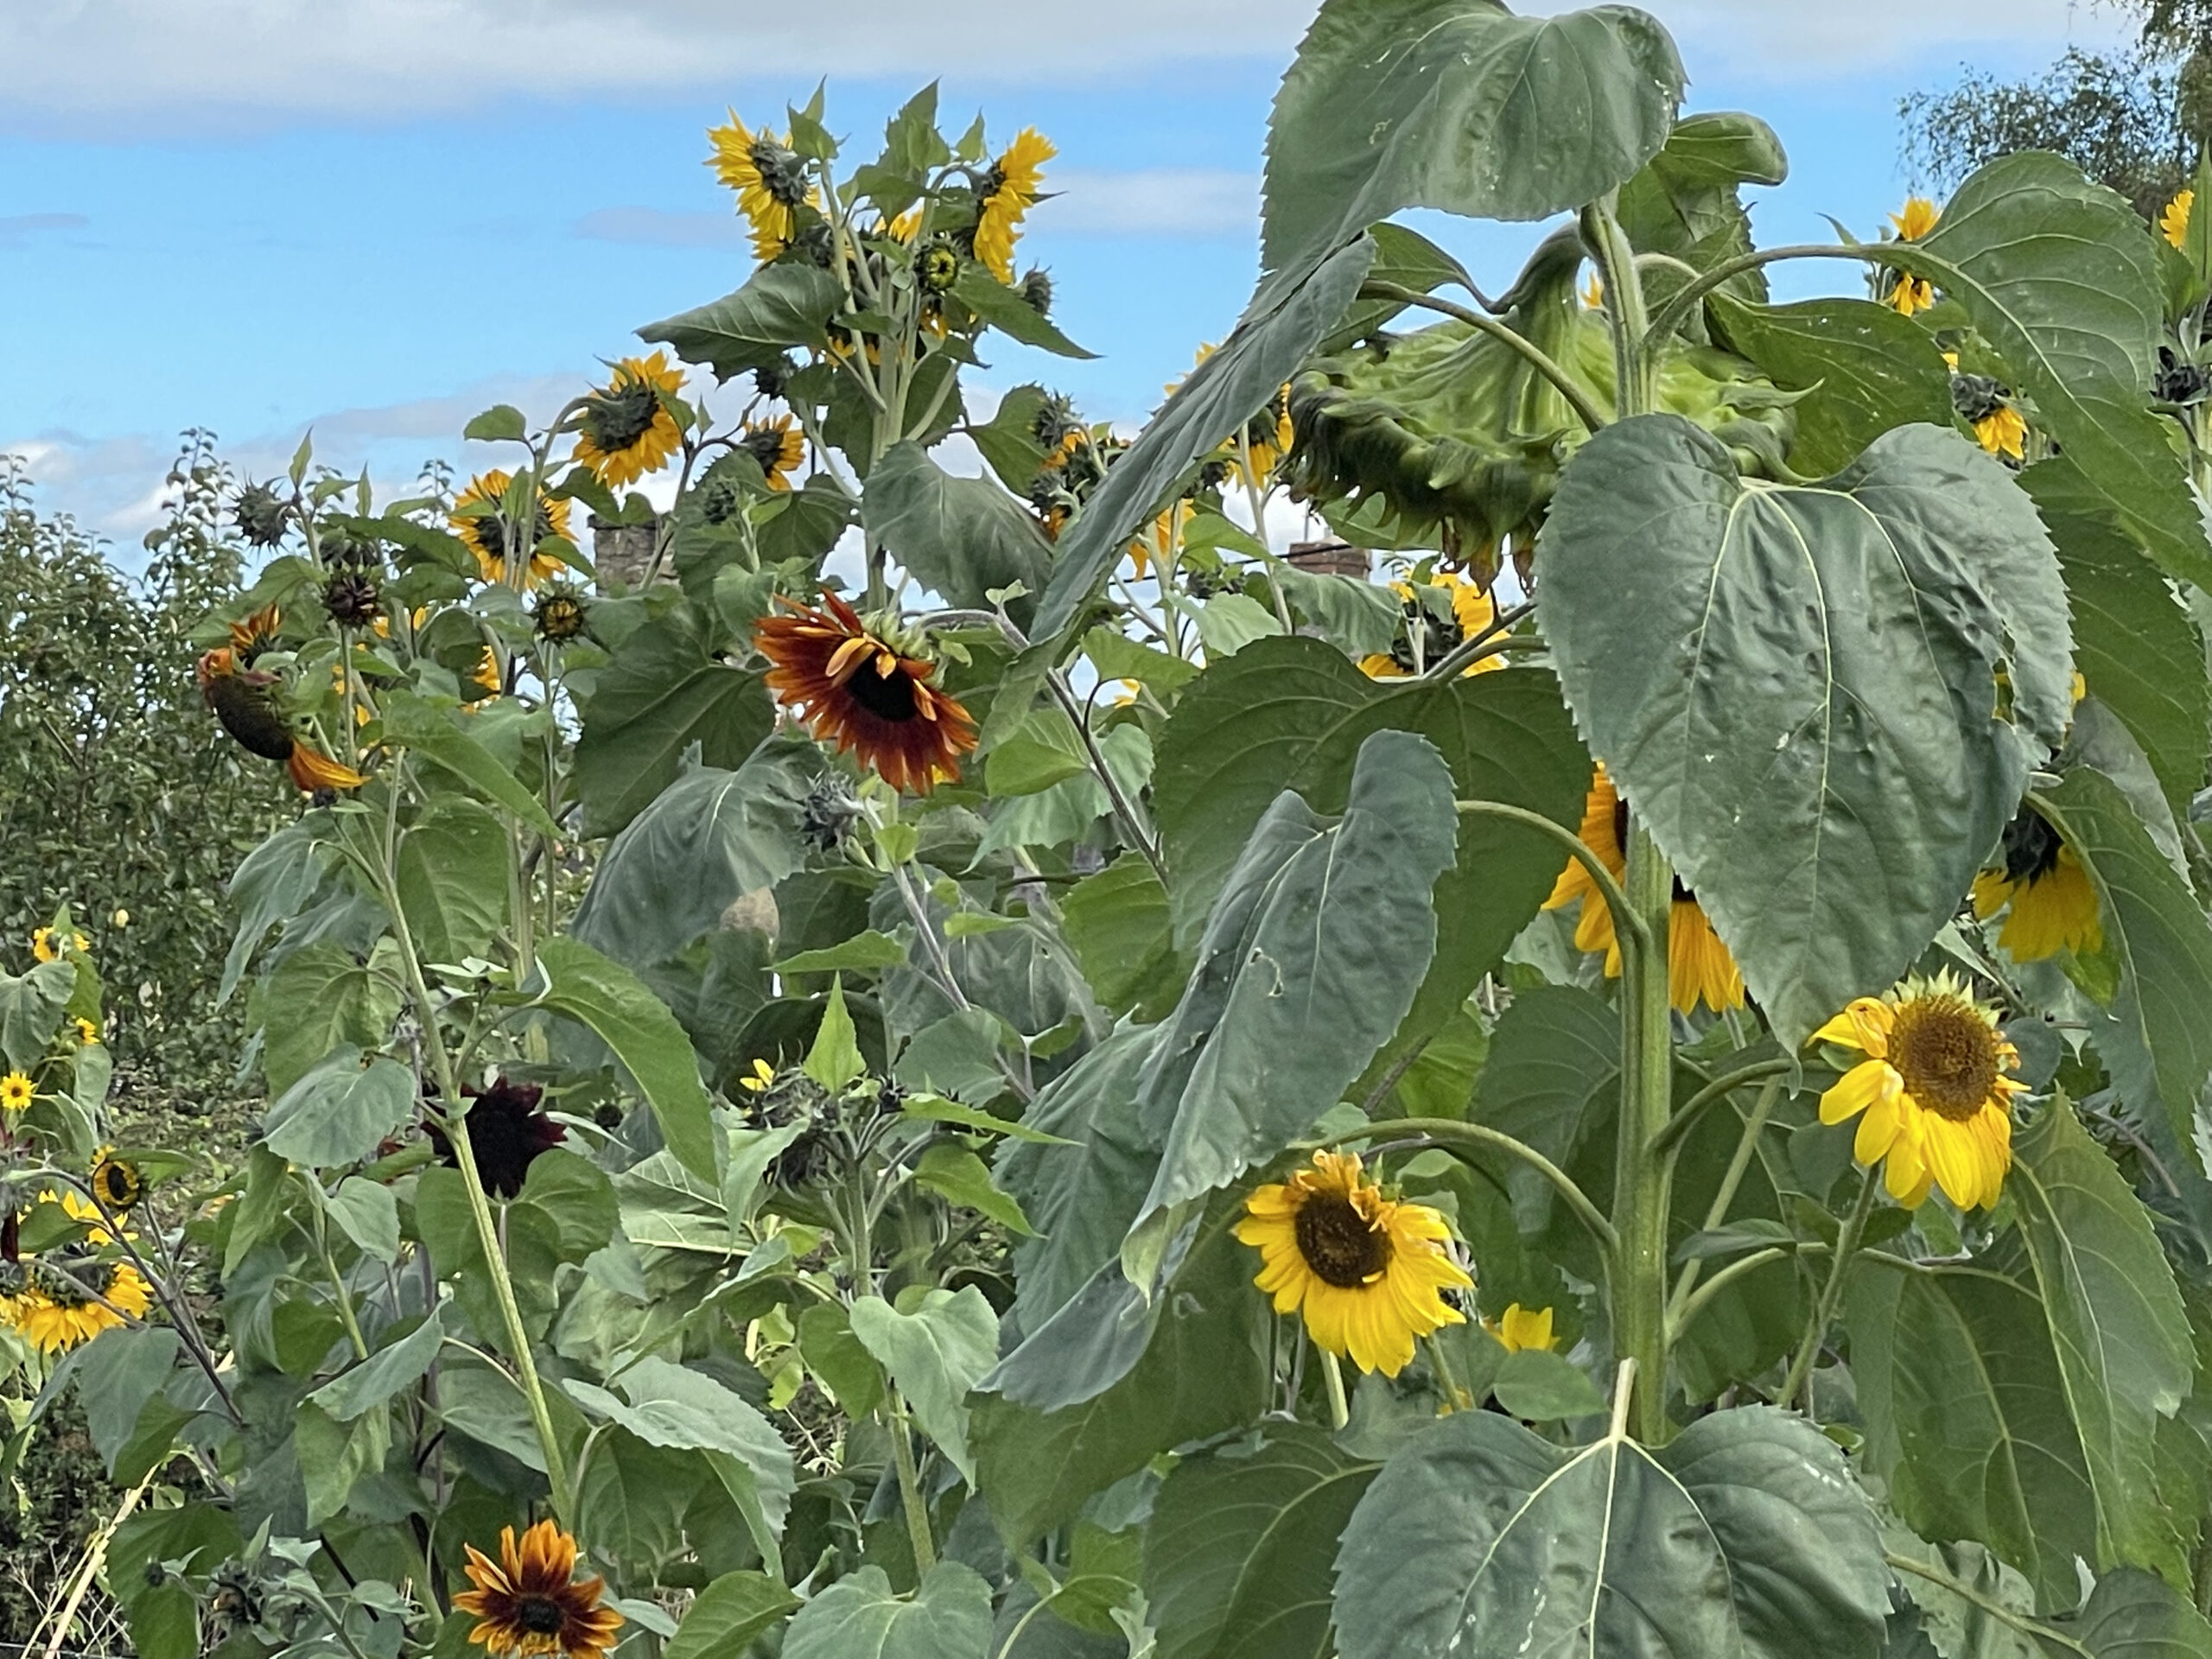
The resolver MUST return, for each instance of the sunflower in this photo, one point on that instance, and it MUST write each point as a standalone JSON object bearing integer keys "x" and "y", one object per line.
{"x": 47, "y": 945}
{"x": 530, "y": 1601}
{"x": 88, "y": 1034}
{"x": 559, "y": 614}
{"x": 1910, "y": 294}
{"x": 626, "y": 431}
{"x": 52, "y": 1311}
{"x": 506, "y": 1132}
{"x": 1937, "y": 1102}
{"x": 253, "y": 634}
{"x": 1366, "y": 1272}
{"x": 1267, "y": 438}
{"x": 770, "y": 178}
{"x": 870, "y": 698}
{"x": 1700, "y": 968}
{"x": 1472, "y": 614}
{"x": 1519, "y": 1327}
{"x": 16, "y": 1092}
{"x": 117, "y": 1180}
{"x": 2053, "y": 905}
{"x": 778, "y": 448}
{"x": 244, "y": 700}
{"x": 2173, "y": 223}
{"x": 1985, "y": 406}
{"x": 488, "y": 534}
{"x": 1009, "y": 191}
{"x": 759, "y": 1077}
{"x": 2002, "y": 432}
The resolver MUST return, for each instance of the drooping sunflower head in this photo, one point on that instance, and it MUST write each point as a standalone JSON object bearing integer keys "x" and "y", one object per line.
{"x": 68, "y": 1295}
{"x": 479, "y": 519}
{"x": 625, "y": 429}
{"x": 770, "y": 178}
{"x": 1037, "y": 289}
{"x": 529, "y": 1602}
{"x": 1366, "y": 1272}
{"x": 261, "y": 514}
{"x": 1934, "y": 1090}
{"x": 506, "y": 1132}
{"x": 2053, "y": 905}
{"x": 115, "y": 1180}
{"x": 1008, "y": 192}
{"x": 866, "y": 692}
{"x": 777, "y": 446}
{"x": 2173, "y": 222}
{"x": 17, "y": 1091}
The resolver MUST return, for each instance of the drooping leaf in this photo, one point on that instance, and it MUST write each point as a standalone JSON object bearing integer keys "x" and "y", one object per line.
{"x": 960, "y": 537}
{"x": 318, "y": 999}
{"x": 935, "y": 1354}
{"x": 960, "y": 1178}
{"x": 339, "y": 1109}
{"x": 31, "y": 1005}
{"x": 398, "y": 1365}
{"x": 1687, "y": 202}
{"x": 1864, "y": 369}
{"x": 859, "y": 1618}
{"x": 429, "y": 732}
{"x": 1794, "y": 687}
{"x": 1745, "y": 1538}
{"x": 781, "y": 307}
{"x": 453, "y": 880}
{"x": 671, "y": 1406}
{"x": 116, "y": 1374}
{"x": 276, "y": 881}
{"x": 2133, "y": 1615}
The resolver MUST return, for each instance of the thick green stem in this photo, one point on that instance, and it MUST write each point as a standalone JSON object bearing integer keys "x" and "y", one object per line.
{"x": 1641, "y": 1179}
{"x": 910, "y": 1491}
{"x": 1846, "y": 1244}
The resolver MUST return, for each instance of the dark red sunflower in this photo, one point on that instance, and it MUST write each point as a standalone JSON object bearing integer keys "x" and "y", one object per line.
{"x": 242, "y": 700}
{"x": 506, "y": 1131}
{"x": 861, "y": 692}
{"x": 530, "y": 1601}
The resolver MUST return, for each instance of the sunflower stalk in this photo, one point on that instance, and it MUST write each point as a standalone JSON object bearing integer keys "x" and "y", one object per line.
{"x": 909, "y": 1488}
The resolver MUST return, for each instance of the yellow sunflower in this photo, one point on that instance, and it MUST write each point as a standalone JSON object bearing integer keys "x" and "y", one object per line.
{"x": 1367, "y": 1273}
{"x": 770, "y": 178}
{"x": 48, "y": 946}
{"x": 1936, "y": 1102}
{"x": 1519, "y": 1327}
{"x": 16, "y": 1092}
{"x": 1009, "y": 191}
{"x": 2002, "y": 432}
{"x": 759, "y": 1078}
{"x": 488, "y": 534}
{"x": 1472, "y": 613}
{"x": 777, "y": 447}
{"x": 1700, "y": 968}
{"x": 2052, "y": 903}
{"x": 52, "y": 1312}
{"x": 529, "y": 1602}
{"x": 87, "y": 1032}
{"x": 117, "y": 1180}
{"x": 2173, "y": 223}
{"x": 1911, "y": 294}
{"x": 626, "y": 431}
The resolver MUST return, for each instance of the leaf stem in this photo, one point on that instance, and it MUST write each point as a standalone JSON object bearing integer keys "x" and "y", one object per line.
{"x": 1846, "y": 1244}
{"x": 1451, "y": 1135}
{"x": 1332, "y": 1379}
{"x": 1635, "y": 934}
{"x": 1679, "y": 1126}
{"x": 1746, "y": 1144}
{"x": 1997, "y": 1610}
{"x": 1669, "y": 316}
{"x": 1642, "y": 1181}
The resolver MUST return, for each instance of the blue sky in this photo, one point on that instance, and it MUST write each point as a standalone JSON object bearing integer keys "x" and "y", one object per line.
{"x": 373, "y": 217}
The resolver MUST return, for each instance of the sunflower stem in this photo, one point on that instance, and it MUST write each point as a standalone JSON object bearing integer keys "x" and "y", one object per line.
{"x": 1846, "y": 1244}
{"x": 1639, "y": 1280}
{"x": 1453, "y": 1136}
{"x": 1332, "y": 1379}
{"x": 910, "y": 1490}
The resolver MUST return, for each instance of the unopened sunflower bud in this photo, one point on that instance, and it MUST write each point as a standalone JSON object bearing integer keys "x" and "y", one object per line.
{"x": 261, "y": 515}
{"x": 936, "y": 267}
{"x": 770, "y": 380}
{"x": 1037, "y": 289}
{"x": 559, "y": 615}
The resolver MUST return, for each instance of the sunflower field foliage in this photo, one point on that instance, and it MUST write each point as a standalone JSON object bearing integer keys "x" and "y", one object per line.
{"x": 982, "y": 1066}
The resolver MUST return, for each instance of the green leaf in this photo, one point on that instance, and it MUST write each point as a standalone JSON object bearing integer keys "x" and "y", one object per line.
{"x": 960, "y": 537}
{"x": 835, "y": 1060}
{"x": 333, "y": 1456}
{"x": 688, "y": 1411}
{"x": 1792, "y": 687}
{"x": 929, "y": 1109}
{"x": 453, "y": 880}
{"x": 1005, "y": 309}
{"x": 576, "y": 1198}
{"x": 957, "y": 1055}
{"x": 2117, "y": 1324}
{"x": 340, "y": 1110}
{"x": 1404, "y": 257}
{"x": 1240, "y": 1555}
{"x": 2136, "y": 644}
{"x": 1863, "y": 367}
{"x": 959, "y": 1177}
{"x": 705, "y": 842}
{"x": 1358, "y": 617}
{"x": 399, "y": 1365}
{"x": 1260, "y": 354}
{"x": 367, "y": 1213}
{"x": 1745, "y": 1538}
{"x": 1458, "y": 105}
{"x": 805, "y": 523}
{"x": 865, "y": 952}
{"x": 2057, "y": 273}
{"x": 782, "y": 306}
{"x": 1117, "y": 657}
{"x": 633, "y": 1022}
{"x": 429, "y": 732}
{"x": 2135, "y": 1616}
{"x": 277, "y": 881}
{"x": 858, "y": 1618}
{"x": 1544, "y": 1388}
{"x": 318, "y": 998}
{"x": 1229, "y": 622}
{"x": 116, "y": 1374}
{"x": 1038, "y": 753}
{"x": 1686, "y": 204}
{"x": 1120, "y": 926}
{"x": 935, "y": 1354}
{"x": 2155, "y": 1039}
{"x": 31, "y": 1005}
{"x": 502, "y": 421}
{"x": 1320, "y": 937}
{"x": 664, "y": 690}
{"x": 832, "y": 1353}
{"x": 728, "y": 1615}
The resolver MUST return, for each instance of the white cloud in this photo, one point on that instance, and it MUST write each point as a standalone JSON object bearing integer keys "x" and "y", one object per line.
{"x": 1192, "y": 201}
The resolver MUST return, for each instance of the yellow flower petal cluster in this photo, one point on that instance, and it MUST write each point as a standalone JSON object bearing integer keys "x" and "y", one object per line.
{"x": 2048, "y": 901}
{"x": 1520, "y": 1328}
{"x": 48, "y": 946}
{"x": 2173, "y": 223}
{"x": 16, "y": 1092}
{"x": 770, "y": 180}
{"x": 1910, "y": 294}
{"x": 487, "y": 535}
{"x": 1472, "y": 610}
{"x": 51, "y": 1313}
{"x": 1366, "y": 1273}
{"x": 624, "y": 431}
{"x": 1932, "y": 1098}
{"x": 1011, "y": 192}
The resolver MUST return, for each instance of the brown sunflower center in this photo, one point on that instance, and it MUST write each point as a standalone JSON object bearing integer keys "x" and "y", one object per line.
{"x": 1947, "y": 1055}
{"x": 888, "y": 697}
{"x": 117, "y": 1185}
{"x": 616, "y": 419}
{"x": 540, "y": 1615}
{"x": 765, "y": 445}
{"x": 1337, "y": 1244}
{"x": 2031, "y": 847}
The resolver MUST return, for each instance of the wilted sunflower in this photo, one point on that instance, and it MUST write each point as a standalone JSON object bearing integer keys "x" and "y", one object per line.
{"x": 1366, "y": 1272}
{"x": 253, "y": 634}
{"x": 1472, "y": 614}
{"x": 51, "y": 1311}
{"x": 353, "y": 600}
{"x": 770, "y": 178}
{"x": 2053, "y": 904}
{"x": 778, "y": 448}
{"x": 1699, "y": 966}
{"x": 1009, "y": 191}
{"x": 16, "y": 1092}
{"x": 1910, "y": 294}
{"x": 1937, "y": 1102}
{"x": 2173, "y": 223}
{"x": 871, "y": 698}
{"x": 624, "y": 431}
{"x": 1519, "y": 1328}
{"x": 529, "y": 1602}
{"x": 243, "y": 700}
{"x": 506, "y": 1132}
{"x": 488, "y": 535}
{"x": 115, "y": 1180}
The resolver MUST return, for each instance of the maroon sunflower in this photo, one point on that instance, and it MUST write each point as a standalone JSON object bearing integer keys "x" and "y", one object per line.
{"x": 866, "y": 695}
{"x": 506, "y": 1132}
{"x": 529, "y": 1602}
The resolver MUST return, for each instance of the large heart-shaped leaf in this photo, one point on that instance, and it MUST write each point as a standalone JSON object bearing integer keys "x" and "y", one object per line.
{"x": 1862, "y": 367}
{"x": 780, "y": 306}
{"x": 948, "y": 1616}
{"x": 1745, "y": 1538}
{"x": 960, "y": 537}
{"x": 1797, "y": 687}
